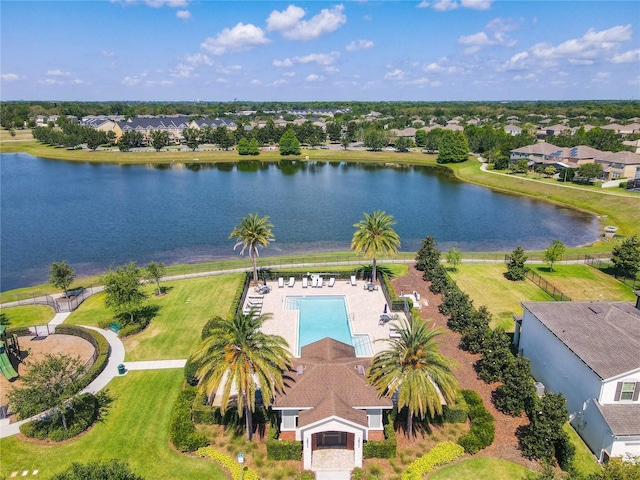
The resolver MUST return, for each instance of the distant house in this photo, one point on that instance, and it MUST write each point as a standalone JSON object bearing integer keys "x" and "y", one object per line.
{"x": 546, "y": 154}
{"x": 590, "y": 352}
{"x": 328, "y": 406}
{"x": 512, "y": 130}
{"x": 619, "y": 165}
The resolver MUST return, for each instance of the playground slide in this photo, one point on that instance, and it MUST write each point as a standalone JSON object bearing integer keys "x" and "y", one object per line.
{"x": 5, "y": 364}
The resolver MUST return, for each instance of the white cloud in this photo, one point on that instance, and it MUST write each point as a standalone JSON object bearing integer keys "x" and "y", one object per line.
{"x": 131, "y": 81}
{"x": 437, "y": 83}
{"x": 397, "y": 74}
{"x": 107, "y": 54}
{"x": 446, "y": 5}
{"x": 443, "y": 68}
{"x": 516, "y": 62}
{"x": 331, "y": 69}
{"x": 290, "y": 24}
{"x": 319, "y": 58}
{"x": 58, "y": 73}
{"x": 51, "y": 81}
{"x": 278, "y": 83}
{"x": 632, "y": 56}
{"x": 183, "y": 14}
{"x": 185, "y": 68}
{"x": 359, "y": 45}
{"x": 256, "y": 82}
{"x": 240, "y": 37}
{"x": 10, "y": 77}
{"x": 289, "y": 74}
{"x": 495, "y": 33}
{"x": 155, "y": 3}
{"x": 525, "y": 78}
{"x": 592, "y": 45}
{"x": 314, "y": 78}
{"x": 287, "y": 62}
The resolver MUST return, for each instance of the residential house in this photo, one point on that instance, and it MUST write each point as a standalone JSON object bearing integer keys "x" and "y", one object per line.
{"x": 619, "y": 165}
{"x": 328, "y": 406}
{"x": 589, "y": 352}
{"x": 545, "y": 154}
{"x": 512, "y": 130}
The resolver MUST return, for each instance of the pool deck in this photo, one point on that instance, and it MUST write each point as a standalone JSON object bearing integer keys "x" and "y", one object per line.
{"x": 363, "y": 307}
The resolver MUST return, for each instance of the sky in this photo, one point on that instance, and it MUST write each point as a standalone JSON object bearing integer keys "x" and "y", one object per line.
{"x": 209, "y": 50}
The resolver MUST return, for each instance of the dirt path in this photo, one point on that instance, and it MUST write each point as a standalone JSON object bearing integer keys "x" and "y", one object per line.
{"x": 505, "y": 445}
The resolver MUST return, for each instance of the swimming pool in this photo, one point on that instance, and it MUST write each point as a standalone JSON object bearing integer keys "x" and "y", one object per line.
{"x": 326, "y": 316}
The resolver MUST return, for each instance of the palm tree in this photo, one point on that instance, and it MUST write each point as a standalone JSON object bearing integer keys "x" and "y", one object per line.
{"x": 239, "y": 359}
{"x": 414, "y": 368}
{"x": 252, "y": 232}
{"x": 375, "y": 235}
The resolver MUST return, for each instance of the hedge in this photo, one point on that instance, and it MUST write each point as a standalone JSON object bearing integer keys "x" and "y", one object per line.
{"x": 99, "y": 343}
{"x": 441, "y": 454}
{"x": 282, "y": 449}
{"x": 182, "y": 431}
{"x": 482, "y": 429}
{"x": 456, "y": 413}
{"x": 229, "y": 464}
{"x": 386, "y": 448}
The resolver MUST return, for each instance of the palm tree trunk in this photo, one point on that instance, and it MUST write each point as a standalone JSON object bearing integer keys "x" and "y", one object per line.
{"x": 248, "y": 421}
{"x": 255, "y": 267}
{"x": 409, "y": 422}
{"x": 373, "y": 270}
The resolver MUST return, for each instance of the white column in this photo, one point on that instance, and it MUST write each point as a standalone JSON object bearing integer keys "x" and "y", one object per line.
{"x": 306, "y": 450}
{"x": 357, "y": 449}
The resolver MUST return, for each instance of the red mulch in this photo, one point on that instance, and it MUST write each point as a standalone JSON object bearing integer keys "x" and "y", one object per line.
{"x": 505, "y": 445}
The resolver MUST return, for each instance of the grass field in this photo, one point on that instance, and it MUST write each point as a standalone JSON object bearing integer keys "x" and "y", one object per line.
{"x": 584, "y": 462}
{"x": 481, "y": 468}
{"x": 175, "y": 332}
{"x": 486, "y": 285}
{"x": 582, "y": 283}
{"x": 134, "y": 430}
{"x": 28, "y": 315}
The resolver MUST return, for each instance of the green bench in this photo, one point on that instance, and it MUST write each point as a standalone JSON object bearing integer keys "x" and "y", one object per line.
{"x": 115, "y": 327}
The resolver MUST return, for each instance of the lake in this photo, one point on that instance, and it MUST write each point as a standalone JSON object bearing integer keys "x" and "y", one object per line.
{"x": 99, "y": 215}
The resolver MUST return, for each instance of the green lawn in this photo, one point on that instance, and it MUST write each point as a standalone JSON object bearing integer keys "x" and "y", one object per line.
{"x": 175, "y": 332}
{"x": 135, "y": 430}
{"x": 28, "y": 315}
{"x": 582, "y": 282}
{"x": 486, "y": 285}
{"x": 481, "y": 468}
{"x": 584, "y": 462}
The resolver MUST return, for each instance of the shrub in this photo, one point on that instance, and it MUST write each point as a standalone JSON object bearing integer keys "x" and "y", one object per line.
{"x": 496, "y": 356}
{"x": 305, "y": 475}
{"x": 284, "y": 450}
{"x": 229, "y": 464}
{"x": 456, "y": 413}
{"x": 386, "y": 448}
{"x": 441, "y": 454}
{"x": 190, "y": 370}
{"x": 565, "y": 452}
{"x": 133, "y": 328}
{"x": 182, "y": 431}
{"x": 482, "y": 430}
{"x": 517, "y": 392}
{"x": 82, "y": 412}
{"x": 99, "y": 343}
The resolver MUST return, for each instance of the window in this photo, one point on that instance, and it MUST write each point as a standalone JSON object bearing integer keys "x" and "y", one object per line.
{"x": 627, "y": 391}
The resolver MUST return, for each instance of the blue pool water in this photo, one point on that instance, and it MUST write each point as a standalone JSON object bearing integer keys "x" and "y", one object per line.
{"x": 325, "y": 316}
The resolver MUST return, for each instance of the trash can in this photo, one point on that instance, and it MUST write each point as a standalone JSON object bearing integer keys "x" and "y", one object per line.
{"x": 121, "y": 369}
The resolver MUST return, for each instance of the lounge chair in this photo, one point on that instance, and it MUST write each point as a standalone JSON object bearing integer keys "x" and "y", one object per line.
{"x": 393, "y": 332}
{"x": 280, "y": 282}
{"x": 314, "y": 282}
{"x": 305, "y": 282}
{"x": 353, "y": 281}
{"x": 319, "y": 282}
{"x": 332, "y": 282}
{"x": 292, "y": 281}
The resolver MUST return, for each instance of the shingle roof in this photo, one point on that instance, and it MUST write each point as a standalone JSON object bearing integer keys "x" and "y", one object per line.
{"x": 330, "y": 383}
{"x": 623, "y": 419}
{"x": 604, "y": 335}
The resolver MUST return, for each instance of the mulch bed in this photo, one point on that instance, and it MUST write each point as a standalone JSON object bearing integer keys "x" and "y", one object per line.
{"x": 505, "y": 445}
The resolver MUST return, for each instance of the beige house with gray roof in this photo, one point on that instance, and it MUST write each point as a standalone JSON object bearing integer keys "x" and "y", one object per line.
{"x": 330, "y": 409}
{"x": 590, "y": 352}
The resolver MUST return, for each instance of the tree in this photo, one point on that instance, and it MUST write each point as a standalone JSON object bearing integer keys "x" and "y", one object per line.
{"x": 61, "y": 275}
{"x": 421, "y": 138}
{"x": 548, "y": 415}
{"x": 453, "y": 147}
{"x": 403, "y": 144}
{"x": 521, "y": 166}
{"x": 550, "y": 171}
{"x": 516, "y": 269}
{"x": 553, "y": 253}
{"x": 334, "y": 131}
{"x": 517, "y": 391}
{"x": 374, "y": 235}
{"x": 252, "y": 232}
{"x": 345, "y": 141}
{"x": 589, "y": 171}
{"x": 112, "y": 470}
{"x": 413, "y": 367}
{"x": 123, "y": 292}
{"x": 191, "y": 137}
{"x": 496, "y": 356}
{"x": 454, "y": 258}
{"x": 154, "y": 272}
{"x": 47, "y": 385}
{"x": 159, "y": 139}
{"x": 374, "y": 139}
{"x": 237, "y": 356}
{"x": 289, "y": 144}
{"x": 428, "y": 257}
{"x": 626, "y": 257}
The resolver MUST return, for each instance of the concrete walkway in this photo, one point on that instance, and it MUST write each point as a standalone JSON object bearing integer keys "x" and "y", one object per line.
{"x": 155, "y": 364}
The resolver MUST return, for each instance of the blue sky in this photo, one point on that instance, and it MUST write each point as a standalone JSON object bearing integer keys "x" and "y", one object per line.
{"x": 439, "y": 50}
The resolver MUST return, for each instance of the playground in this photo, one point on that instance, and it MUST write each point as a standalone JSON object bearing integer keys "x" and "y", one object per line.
{"x": 33, "y": 349}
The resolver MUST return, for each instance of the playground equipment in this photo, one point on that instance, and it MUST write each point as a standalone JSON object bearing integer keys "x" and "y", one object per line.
{"x": 8, "y": 346}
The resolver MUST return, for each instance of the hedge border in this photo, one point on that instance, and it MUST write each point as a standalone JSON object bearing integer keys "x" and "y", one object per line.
{"x": 482, "y": 430}
{"x": 237, "y": 472}
{"x": 441, "y": 454}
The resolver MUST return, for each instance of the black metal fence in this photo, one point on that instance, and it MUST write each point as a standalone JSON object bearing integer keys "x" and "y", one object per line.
{"x": 60, "y": 304}
{"x": 606, "y": 265}
{"x": 548, "y": 287}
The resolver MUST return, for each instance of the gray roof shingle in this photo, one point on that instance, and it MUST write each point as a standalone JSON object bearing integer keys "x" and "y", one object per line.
{"x": 623, "y": 419}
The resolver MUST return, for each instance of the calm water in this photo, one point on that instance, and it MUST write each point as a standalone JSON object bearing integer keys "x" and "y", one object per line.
{"x": 98, "y": 215}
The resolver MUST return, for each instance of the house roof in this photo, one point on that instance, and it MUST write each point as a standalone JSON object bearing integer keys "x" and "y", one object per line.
{"x": 328, "y": 380}
{"x": 604, "y": 335}
{"x": 623, "y": 419}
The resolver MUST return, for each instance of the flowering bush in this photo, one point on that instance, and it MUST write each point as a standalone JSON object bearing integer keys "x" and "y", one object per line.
{"x": 228, "y": 464}
{"x": 441, "y": 454}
